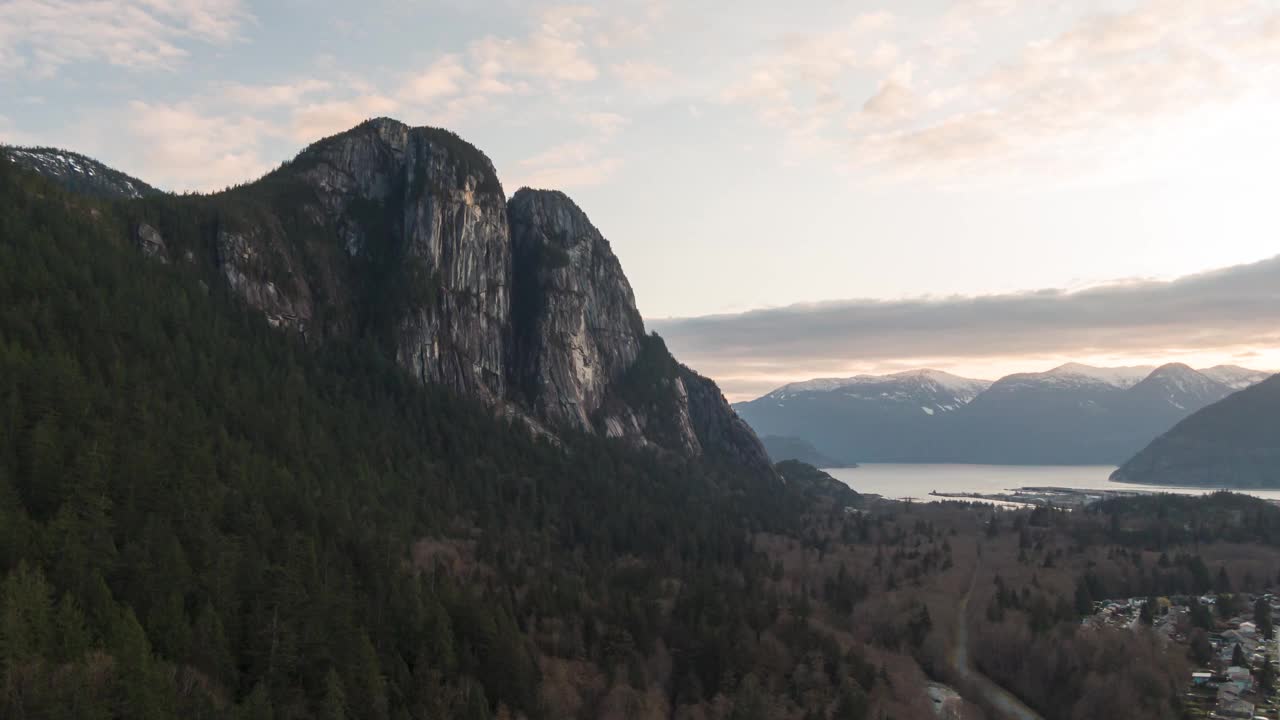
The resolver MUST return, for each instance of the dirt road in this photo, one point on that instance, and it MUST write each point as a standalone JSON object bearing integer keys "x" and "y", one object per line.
{"x": 973, "y": 680}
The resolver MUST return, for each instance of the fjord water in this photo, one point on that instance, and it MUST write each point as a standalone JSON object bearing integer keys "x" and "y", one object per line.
{"x": 918, "y": 480}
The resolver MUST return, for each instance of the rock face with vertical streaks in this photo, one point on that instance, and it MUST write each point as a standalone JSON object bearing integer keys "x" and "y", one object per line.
{"x": 576, "y": 329}
{"x": 403, "y": 236}
{"x": 421, "y": 217}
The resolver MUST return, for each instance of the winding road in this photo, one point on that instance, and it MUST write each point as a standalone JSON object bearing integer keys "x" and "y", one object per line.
{"x": 1005, "y": 702}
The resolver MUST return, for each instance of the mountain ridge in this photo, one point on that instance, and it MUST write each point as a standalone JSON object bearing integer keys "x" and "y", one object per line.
{"x": 79, "y": 173}
{"x": 1070, "y": 414}
{"x": 236, "y": 520}
{"x": 404, "y": 236}
{"x": 961, "y": 385}
{"x": 1081, "y": 374}
{"x": 1234, "y": 443}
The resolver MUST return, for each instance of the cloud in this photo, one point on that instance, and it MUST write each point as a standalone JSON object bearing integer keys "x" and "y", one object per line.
{"x": 45, "y": 35}
{"x": 11, "y": 59}
{"x": 1068, "y": 100}
{"x": 568, "y": 165}
{"x": 232, "y": 132}
{"x": 895, "y": 99}
{"x": 1229, "y": 311}
{"x": 587, "y": 161}
{"x": 641, "y": 75}
{"x": 1261, "y": 45}
{"x": 1088, "y": 90}
{"x": 605, "y": 123}
{"x": 317, "y": 120}
{"x": 892, "y": 100}
{"x": 1078, "y": 99}
{"x": 554, "y": 51}
{"x": 629, "y": 25}
{"x": 264, "y": 96}
{"x": 581, "y": 163}
{"x": 800, "y": 88}
{"x": 10, "y": 135}
{"x": 444, "y": 77}
{"x": 965, "y": 18}
{"x": 767, "y": 87}
{"x": 456, "y": 85}
{"x": 873, "y": 21}
{"x": 181, "y": 147}
{"x": 553, "y": 54}
{"x": 884, "y": 55}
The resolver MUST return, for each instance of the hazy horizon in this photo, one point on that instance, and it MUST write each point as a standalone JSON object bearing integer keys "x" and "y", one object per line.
{"x": 1229, "y": 316}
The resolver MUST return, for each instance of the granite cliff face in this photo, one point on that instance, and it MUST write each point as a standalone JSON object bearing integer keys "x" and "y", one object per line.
{"x": 717, "y": 425}
{"x": 422, "y": 217}
{"x": 576, "y": 328}
{"x": 404, "y": 236}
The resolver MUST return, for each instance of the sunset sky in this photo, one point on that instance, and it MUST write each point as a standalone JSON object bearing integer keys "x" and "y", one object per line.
{"x": 794, "y": 189}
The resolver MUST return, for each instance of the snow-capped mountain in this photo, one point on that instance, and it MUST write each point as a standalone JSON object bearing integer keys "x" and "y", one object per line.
{"x": 1078, "y": 375}
{"x": 1075, "y": 414}
{"x": 930, "y": 390}
{"x": 867, "y": 416}
{"x": 1230, "y": 444}
{"x": 79, "y": 173}
{"x": 817, "y": 385}
{"x": 1070, "y": 414}
{"x": 1234, "y": 376}
{"x": 1180, "y": 387}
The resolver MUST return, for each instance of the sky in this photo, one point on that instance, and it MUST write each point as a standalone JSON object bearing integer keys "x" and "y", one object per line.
{"x": 794, "y": 189}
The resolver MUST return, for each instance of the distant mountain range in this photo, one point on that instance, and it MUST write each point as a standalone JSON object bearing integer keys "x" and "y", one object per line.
{"x": 1233, "y": 443}
{"x": 1072, "y": 414}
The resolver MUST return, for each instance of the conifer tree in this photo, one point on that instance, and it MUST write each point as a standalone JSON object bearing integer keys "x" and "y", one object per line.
{"x": 334, "y": 705}
{"x": 1262, "y": 618}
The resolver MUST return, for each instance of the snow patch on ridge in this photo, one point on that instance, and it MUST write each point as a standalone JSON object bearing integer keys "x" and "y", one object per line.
{"x": 964, "y": 389}
{"x": 1234, "y": 376}
{"x": 934, "y": 387}
{"x": 1121, "y": 377}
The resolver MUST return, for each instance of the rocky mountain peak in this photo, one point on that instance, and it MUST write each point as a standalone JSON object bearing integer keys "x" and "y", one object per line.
{"x": 1181, "y": 386}
{"x": 1174, "y": 371}
{"x": 403, "y": 236}
{"x": 377, "y": 153}
{"x": 559, "y": 224}
{"x": 1185, "y": 379}
{"x": 575, "y": 326}
{"x": 384, "y": 230}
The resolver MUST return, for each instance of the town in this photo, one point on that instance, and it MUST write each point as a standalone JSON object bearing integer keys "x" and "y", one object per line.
{"x": 1230, "y": 642}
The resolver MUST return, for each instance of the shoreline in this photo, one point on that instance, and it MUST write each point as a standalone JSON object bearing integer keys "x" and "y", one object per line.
{"x": 1061, "y": 497}
{"x": 1045, "y": 496}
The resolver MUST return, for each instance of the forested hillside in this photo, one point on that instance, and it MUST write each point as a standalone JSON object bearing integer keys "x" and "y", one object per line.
{"x": 202, "y": 517}
{"x": 1233, "y": 443}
